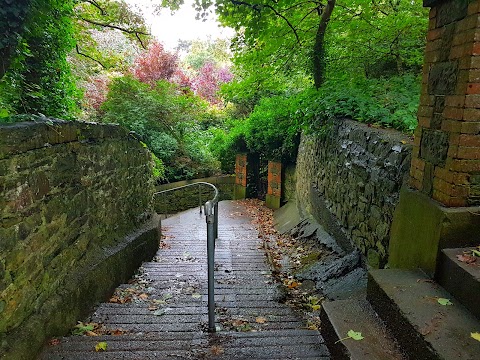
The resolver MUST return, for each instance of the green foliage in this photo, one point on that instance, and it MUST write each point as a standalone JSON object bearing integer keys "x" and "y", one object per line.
{"x": 390, "y": 102}
{"x": 273, "y": 127}
{"x": 202, "y": 52}
{"x": 38, "y": 79}
{"x": 158, "y": 169}
{"x": 168, "y": 122}
{"x": 81, "y": 328}
{"x": 377, "y": 39}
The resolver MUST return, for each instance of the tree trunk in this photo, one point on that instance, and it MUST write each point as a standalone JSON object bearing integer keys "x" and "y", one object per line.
{"x": 319, "y": 46}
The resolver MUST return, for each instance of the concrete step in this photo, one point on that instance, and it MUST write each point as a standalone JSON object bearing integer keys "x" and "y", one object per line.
{"x": 406, "y": 300}
{"x": 341, "y": 316}
{"x": 460, "y": 279}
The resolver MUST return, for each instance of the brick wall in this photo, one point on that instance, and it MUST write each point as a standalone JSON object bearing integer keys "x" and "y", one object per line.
{"x": 446, "y": 154}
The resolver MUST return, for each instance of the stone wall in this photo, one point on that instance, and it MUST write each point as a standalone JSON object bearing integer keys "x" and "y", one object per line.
{"x": 187, "y": 198}
{"x": 71, "y": 194}
{"x": 356, "y": 172}
{"x": 289, "y": 184}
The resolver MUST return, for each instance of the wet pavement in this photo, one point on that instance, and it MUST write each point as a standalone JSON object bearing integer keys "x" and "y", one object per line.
{"x": 162, "y": 312}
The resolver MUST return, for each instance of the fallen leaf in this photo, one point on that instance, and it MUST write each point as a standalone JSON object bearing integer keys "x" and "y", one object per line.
{"x": 444, "y": 302}
{"x": 196, "y": 296}
{"x": 159, "y": 312}
{"x": 217, "y": 350}
{"x": 101, "y": 346}
{"x": 91, "y": 333}
{"x": 475, "y": 335}
{"x": 316, "y": 307}
{"x": 293, "y": 284}
{"x": 143, "y": 296}
{"x": 355, "y": 335}
{"x": 54, "y": 342}
{"x": 238, "y": 322}
{"x": 261, "y": 320}
{"x": 312, "y": 327}
{"x": 468, "y": 259}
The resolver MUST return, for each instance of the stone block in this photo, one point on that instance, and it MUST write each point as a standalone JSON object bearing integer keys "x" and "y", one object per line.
{"x": 421, "y": 227}
{"x": 434, "y": 147}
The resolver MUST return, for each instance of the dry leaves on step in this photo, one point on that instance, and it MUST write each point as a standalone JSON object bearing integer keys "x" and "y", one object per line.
{"x": 217, "y": 350}
{"x": 467, "y": 259}
{"x": 54, "y": 342}
{"x": 261, "y": 320}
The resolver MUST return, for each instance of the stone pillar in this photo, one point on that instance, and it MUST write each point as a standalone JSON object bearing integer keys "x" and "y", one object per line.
{"x": 445, "y": 168}
{"x": 240, "y": 176}
{"x": 274, "y": 190}
{"x": 446, "y": 157}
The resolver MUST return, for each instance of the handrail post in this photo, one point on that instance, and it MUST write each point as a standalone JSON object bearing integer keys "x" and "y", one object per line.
{"x": 211, "y": 268}
{"x": 199, "y": 198}
{"x": 211, "y": 214}
{"x": 215, "y": 209}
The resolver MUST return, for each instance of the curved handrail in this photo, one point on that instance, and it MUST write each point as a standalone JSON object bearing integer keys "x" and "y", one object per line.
{"x": 209, "y": 205}
{"x": 211, "y": 215}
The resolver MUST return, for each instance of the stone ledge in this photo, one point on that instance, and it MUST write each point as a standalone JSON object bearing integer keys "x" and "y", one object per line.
{"x": 21, "y": 137}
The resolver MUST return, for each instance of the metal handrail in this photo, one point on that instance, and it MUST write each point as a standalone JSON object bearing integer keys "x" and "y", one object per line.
{"x": 211, "y": 215}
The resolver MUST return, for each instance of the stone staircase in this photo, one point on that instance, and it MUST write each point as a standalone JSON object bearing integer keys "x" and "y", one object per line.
{"x": 401, "y": 317}
{"x": 162, "y": 312}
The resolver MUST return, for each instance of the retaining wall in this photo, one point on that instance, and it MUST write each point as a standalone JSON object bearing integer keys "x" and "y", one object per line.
{"x": 355, "y": 172}
{"x": 75, "y": 221}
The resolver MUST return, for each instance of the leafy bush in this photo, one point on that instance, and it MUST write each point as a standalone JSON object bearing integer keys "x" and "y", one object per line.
{"x": 273, "y": 127}
{"x": 167, "y": 120}
{"x": 391, "y": 102}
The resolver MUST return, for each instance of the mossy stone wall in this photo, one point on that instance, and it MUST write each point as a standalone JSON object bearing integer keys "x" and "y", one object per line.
{"x": 356, "y": 172}
{"x": 70, "y": 193}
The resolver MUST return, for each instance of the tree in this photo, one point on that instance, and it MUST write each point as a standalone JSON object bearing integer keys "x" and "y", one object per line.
{"x": 156, "y": 64}
{"x": 94, "y": 17}
{"x": 281, "y": 30}
{"x": 207, "y": 83}
{"x": 39, "y": 34}
{"x": 377, "y": 38}
{"x": 200, "y": 52}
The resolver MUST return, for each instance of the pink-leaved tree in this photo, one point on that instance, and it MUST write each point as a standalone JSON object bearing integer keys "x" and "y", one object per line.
{"x": 207, "y": 83}
{"x": 155, "y": 64}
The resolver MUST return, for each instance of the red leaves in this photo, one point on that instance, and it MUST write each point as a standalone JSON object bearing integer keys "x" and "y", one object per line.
{"x": 467, "y": 259}
{"x": 96, "y": 90}
{"x": 208, "y": 81}
{"x": 156, "y": 64}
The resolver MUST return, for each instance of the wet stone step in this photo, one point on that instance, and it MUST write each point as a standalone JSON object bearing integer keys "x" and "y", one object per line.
{"x": 164, "y": 314}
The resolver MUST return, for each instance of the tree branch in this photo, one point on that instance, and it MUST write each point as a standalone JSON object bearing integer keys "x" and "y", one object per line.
{"x": 140, "y": 41}
{"x": 286, "y": 20}
{"x": 111, "y": 26}
{"x": 258, "y": 8}
{"x": 89, "y": 57}
{"x": 94, "y": 3}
